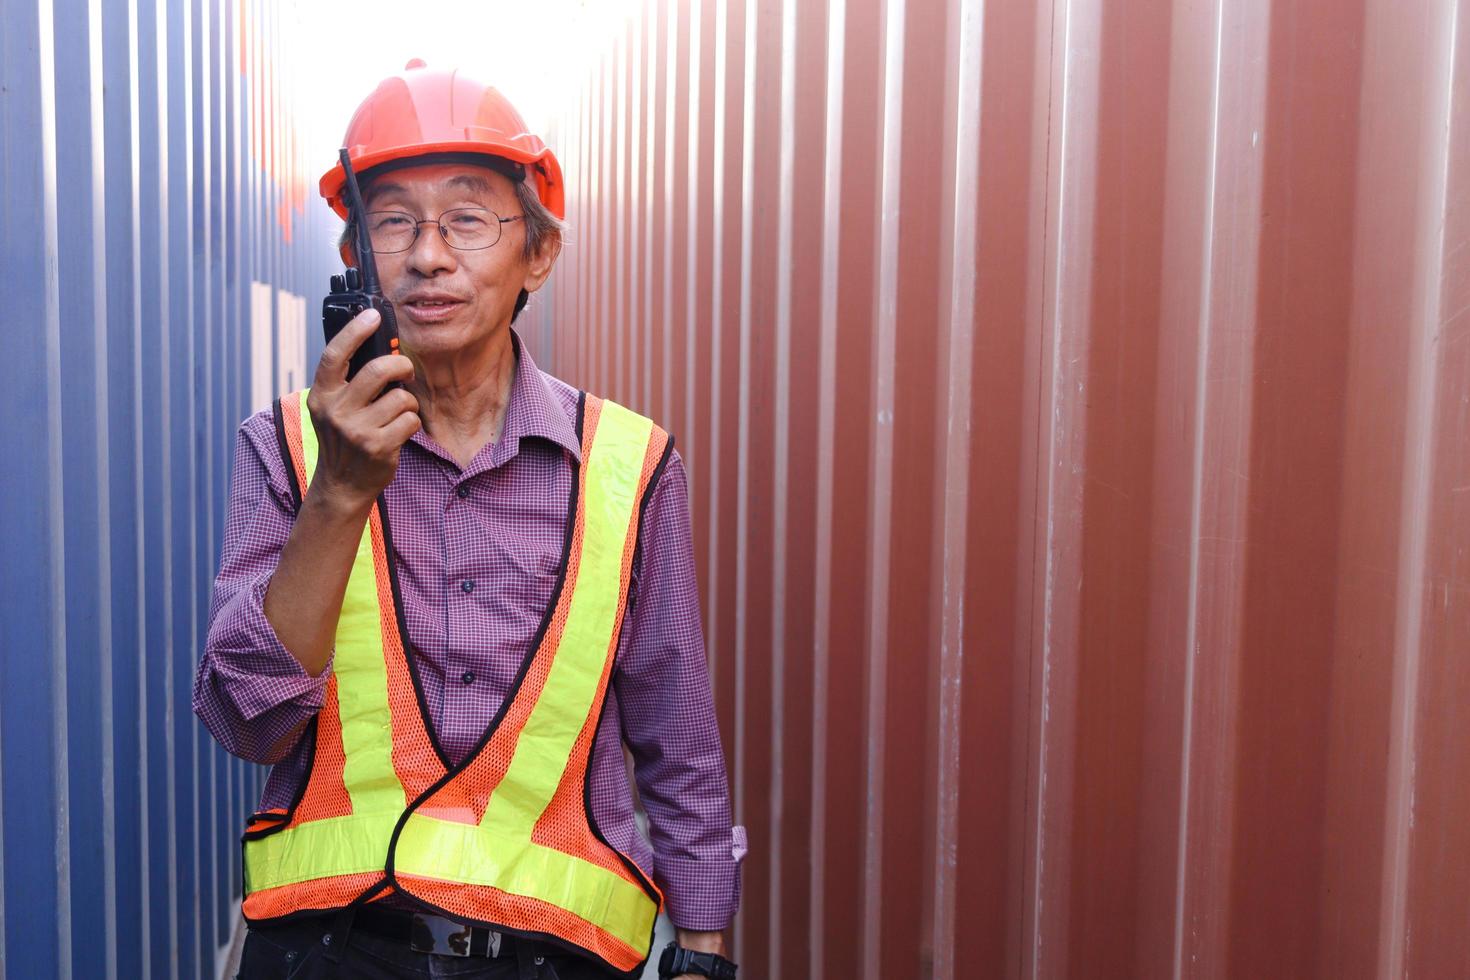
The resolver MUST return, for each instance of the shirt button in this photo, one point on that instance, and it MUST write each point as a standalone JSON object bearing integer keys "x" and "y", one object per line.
{"x": 468, "y": 585}
{"x": 468, "y": 677}
{"x": 462, "y": 492}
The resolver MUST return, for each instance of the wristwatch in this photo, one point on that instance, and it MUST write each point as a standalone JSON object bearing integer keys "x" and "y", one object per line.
{"x": 677, "y": 961}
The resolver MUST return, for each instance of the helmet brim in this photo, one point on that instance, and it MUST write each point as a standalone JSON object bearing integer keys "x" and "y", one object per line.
{"x": 542, "y": 167}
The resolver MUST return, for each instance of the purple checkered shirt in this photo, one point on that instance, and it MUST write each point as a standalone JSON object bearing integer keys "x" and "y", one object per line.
{"x": 477, "y": 552}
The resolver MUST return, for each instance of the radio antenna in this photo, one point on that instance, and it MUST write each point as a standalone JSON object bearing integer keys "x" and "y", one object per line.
{"x": 364, "y": 246}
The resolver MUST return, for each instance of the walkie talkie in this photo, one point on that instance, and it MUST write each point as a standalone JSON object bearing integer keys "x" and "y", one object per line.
{"x": 357, "y": 289}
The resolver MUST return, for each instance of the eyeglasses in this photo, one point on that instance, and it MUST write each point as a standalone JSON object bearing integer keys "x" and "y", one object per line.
{"x": 467, "y": 229}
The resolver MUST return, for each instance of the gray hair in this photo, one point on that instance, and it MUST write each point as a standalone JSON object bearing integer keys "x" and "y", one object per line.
{"x": 543, "y": 229}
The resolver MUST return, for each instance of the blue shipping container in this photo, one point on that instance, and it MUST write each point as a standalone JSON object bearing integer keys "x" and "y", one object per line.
{"x": 160, "y": 261}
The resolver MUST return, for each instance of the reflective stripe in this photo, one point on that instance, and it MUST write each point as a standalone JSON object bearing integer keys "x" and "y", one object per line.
{"x": 481, "y": 855}
{"x": 556, "y": 720}
{"x": 319, "y": 849}
{"x": 362, "y": 674}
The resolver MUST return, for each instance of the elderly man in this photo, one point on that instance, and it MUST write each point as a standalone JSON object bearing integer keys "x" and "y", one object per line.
{"x": 452, "y": 589}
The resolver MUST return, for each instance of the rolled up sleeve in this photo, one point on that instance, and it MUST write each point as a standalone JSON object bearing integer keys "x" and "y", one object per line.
{"x": 669, "y": 725}
{"x": 250, "y": 692}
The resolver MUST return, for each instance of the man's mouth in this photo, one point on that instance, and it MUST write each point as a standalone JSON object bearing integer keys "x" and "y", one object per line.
{"x": 431, "y": 309}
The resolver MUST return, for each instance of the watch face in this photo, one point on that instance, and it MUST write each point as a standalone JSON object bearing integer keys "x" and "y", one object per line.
{"x": 666, "y": 962}
{"x": 676, "y": 961}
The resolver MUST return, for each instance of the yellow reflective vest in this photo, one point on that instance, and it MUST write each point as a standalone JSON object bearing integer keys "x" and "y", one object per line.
{"x": 505, "y": 838}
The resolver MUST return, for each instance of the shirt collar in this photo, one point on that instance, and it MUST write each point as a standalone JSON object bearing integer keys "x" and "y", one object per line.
{"x": 533, "y": 411}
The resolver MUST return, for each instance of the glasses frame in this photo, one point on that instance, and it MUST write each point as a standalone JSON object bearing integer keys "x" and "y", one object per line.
{"x": 443, "y": 232}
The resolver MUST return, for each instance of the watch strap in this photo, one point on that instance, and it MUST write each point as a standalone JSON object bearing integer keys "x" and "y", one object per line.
{"x": 677, "y": 961}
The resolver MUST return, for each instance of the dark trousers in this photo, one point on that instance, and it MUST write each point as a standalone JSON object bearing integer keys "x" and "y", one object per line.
{"x": 297, "y": 951}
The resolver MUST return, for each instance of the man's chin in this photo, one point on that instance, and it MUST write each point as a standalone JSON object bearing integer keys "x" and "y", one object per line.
{"x": 416, "y": 333}
{"x": 439, "y": 339}
{"x": 435, "y": 341}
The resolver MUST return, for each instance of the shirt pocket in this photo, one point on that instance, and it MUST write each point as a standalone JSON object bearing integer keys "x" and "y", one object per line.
{"x": 523, "y": 575}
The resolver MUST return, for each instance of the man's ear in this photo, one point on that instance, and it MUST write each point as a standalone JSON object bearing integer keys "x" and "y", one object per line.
{"x": 348, "y": 257}
{"x": 540, "y": 265}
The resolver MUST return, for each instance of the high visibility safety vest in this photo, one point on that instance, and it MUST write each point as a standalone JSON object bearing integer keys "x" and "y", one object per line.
{"x": 505, "y": 838}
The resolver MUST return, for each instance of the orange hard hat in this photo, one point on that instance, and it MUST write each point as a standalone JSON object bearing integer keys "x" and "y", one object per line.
{"x": 425, "y": 111}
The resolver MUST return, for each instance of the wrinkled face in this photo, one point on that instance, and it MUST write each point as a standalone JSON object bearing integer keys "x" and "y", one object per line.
{"x": 449, "y": 300}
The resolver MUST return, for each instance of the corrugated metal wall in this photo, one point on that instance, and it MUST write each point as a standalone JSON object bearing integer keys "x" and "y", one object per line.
{"x": 1076, "y": 399}
{"x": 150, "y": 176}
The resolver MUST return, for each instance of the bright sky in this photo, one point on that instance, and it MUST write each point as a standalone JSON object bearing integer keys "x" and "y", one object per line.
{"x": 531, "y": 50}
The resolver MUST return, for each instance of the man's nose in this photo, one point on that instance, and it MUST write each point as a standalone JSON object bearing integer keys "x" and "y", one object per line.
{"x": 430, "y": 252}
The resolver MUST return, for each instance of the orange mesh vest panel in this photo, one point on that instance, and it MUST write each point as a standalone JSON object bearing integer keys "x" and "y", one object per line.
{"x": 505, "y": 838}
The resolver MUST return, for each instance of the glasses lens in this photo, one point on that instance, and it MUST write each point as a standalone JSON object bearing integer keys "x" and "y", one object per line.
{"x": 391, "y": 231}
{"x": 470, "y": 228}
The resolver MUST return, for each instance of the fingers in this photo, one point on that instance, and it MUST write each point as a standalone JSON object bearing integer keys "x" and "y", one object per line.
{"x": 376, "y": 375}
{"x": 401, "y": 429}
{"x": 331, "y": 370}
{"x": 387, "y": 408}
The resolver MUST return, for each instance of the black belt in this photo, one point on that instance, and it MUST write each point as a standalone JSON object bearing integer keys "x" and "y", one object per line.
{"x": 432, "y": 933}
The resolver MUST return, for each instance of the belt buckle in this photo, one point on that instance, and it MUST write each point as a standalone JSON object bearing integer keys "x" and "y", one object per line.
{"x": 445, "y": 937}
